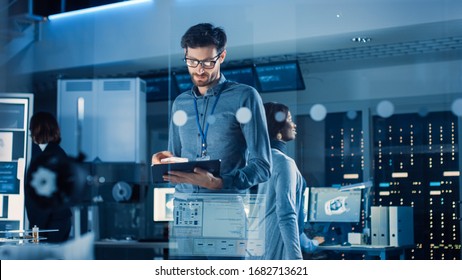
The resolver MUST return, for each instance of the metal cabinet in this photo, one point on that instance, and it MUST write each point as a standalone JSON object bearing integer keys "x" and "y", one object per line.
{"x": 105, "y": 119}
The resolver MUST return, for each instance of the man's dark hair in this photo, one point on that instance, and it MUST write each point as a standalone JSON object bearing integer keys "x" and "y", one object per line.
{"x": 204, "y": 35}
{"x": 273, "y": 119}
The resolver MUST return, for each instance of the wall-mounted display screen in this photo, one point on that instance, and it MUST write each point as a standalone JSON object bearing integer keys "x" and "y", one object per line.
{"x": 271, "y": 77}
{"x": 12, "y": 115}
{"x": 160, "y": 88}
{"x": 243, "y": 75}
{"x": 332, "y": 205}
{"x": 183, "y": 82}
{"x": 9, "y": 183}
{"x": 281, "y": 76}
{"x": 9, "y": 225}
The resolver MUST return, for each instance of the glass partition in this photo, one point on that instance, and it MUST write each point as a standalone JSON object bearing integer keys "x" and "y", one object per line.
{"x": 374, "y": 90}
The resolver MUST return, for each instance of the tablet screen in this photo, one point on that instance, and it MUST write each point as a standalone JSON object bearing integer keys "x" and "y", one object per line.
{"x": 158, "y": 170}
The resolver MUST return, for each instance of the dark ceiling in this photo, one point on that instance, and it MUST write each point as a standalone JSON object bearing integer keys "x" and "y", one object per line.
{"x": 45, "y": 8}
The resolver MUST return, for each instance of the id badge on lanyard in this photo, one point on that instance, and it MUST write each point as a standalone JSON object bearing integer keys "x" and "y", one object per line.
{"x": 204, "y": 157}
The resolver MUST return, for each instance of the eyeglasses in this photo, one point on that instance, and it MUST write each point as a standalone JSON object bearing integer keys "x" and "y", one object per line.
{"x": 206, "y": 64}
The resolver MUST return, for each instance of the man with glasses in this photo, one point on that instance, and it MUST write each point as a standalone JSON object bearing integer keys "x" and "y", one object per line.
{"x": 222, "y": 120}
{"x": 216, "y": 119}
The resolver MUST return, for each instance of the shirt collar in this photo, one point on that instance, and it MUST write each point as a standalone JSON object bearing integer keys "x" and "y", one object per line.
{"x": 215, "y": 90}
{"x": 279, "y": 145}
{"x": 43, "y": 146}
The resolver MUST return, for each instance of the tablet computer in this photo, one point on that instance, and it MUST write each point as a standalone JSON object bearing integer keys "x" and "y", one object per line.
{"x": 158, "y": 170}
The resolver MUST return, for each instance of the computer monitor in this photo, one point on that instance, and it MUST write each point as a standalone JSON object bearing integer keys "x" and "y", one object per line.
{"x": 328, "y": 204}
{"x": 163, "y": 204}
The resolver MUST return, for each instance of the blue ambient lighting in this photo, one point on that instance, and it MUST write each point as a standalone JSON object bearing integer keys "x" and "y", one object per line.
{"x": 435, "y": 184}
{"x": 96, "y": 9}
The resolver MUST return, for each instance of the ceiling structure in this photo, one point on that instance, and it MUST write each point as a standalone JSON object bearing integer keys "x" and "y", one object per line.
{"x": 415, "y": 41}
{"x": 362, "y": 55}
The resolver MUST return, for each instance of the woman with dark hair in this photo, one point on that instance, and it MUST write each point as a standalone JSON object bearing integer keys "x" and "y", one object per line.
{"x": 284, "y": 217}
{"x": 44, "y": 193}
{"x": 44, "y": 129}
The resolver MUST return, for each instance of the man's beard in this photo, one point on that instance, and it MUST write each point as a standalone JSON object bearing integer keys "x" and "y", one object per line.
{"x": 203, "y": 82}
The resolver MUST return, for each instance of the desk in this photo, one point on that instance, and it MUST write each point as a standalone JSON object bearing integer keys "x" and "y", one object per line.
{"x": 383, "y": 252}
{"x": 135, "y": 244}
{"x": 110, "y": 249}
{"x": 74, "y": 249}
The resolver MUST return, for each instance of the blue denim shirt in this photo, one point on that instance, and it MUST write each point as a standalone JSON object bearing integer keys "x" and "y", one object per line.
{"x": 244, "y": 148}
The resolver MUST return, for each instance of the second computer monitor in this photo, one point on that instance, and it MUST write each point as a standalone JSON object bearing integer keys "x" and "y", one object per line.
{"x": 329, "y": 204}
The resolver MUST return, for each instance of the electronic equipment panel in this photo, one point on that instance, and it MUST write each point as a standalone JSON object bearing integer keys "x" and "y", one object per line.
{"x": 416, "y": 162}
{"x": 344, "y": 143}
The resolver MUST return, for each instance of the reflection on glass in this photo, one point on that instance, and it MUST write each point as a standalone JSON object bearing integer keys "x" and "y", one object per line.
{"x": 385, "y": 109}
{"x": 217, "y": 225}
{"x": 318, "y": 112}
{"x": 280, "y": 117}
{"x": 423, "y": 111}
{"x": 456, "y": 107}
{"x": 211, "y": 119}
{"x": 180, "y": 118}
{"x": 351, "y": 114}
{"x": 243, "y": 115}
